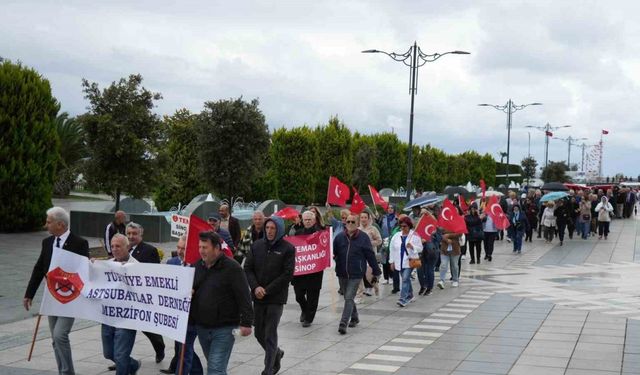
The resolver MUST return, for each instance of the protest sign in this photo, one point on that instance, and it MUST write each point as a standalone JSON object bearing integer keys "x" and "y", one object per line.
{"x": 313, "y": 251}
{"x": 141, "y": 296}
{"x": 179, "y": 225}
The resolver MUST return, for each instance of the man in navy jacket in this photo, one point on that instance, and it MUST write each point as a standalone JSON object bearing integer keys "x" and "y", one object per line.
{"x": 352, "y": 251}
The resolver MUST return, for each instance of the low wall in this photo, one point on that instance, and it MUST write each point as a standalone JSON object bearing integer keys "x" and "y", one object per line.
{"x": 93, "y": 224}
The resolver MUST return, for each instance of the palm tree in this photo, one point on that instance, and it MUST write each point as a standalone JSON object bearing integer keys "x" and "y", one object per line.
{"x": 72, "y": 151}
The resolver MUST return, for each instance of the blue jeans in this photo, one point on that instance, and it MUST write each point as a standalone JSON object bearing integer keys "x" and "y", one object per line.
{"x": 192, "y": 364}
{"x": 444, "y": 266}
{"x": 217, "y": 344}
{"x": 586, "y": 228}
{"x": 426, "y": 273}
{"x": 117, "y": 344}
{"x": 406, "y": 290}
{"x": 349, "y": 289}
{"x": 517, "y": 240}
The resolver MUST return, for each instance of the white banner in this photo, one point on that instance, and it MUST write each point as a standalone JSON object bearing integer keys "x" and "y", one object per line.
{"x": 141, "y": 296}
{"x": 179, "y": 225}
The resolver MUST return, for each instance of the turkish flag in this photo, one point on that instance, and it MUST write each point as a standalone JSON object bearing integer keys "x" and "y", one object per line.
{"x": 192, "y": 252}
{"x": 605, "y": 132}
{"x": 287, "y": 213}
{"x": 338, "y": 192}
{"x": 483, "y": 186}
{"x": 450, "y": 220}
{"x": 427, "y": 225}
{"x": 548, "y": 133}
{"x": 357, "y": 204}
{"x": 463, "y": 204}
{"x": 377, "y": 198}
{"x": 496, "y": 214}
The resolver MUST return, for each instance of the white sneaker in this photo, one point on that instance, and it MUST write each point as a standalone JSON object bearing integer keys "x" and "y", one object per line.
{"x": 441, "y": 284}
{"x": 401, "y": 304}
{"x": 463, "y": 257}
{"x": 368, "y": 292}
{"x": 412, "y": 299}
{"x": 357, "y": 300}
{"x": 454, "y": 284}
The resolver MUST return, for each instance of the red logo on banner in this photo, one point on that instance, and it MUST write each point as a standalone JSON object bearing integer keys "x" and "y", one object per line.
{"x": 313, "y": 252}
{"x": 64, "y": 286}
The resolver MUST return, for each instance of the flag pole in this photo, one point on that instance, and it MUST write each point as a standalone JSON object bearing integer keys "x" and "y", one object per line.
{"x": 375, "y": 208}
{"x": 33, "y": 341}
{"x": 182, "y": 358}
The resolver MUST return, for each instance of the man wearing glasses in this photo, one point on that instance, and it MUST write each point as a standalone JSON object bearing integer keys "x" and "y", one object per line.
{"x": 352, "y": 251}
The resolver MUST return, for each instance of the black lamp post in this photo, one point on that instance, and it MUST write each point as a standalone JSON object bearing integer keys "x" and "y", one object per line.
{"x": 570, "y": 141}
{"x": 509, "y": 109}
{"x": 414, "y": 58}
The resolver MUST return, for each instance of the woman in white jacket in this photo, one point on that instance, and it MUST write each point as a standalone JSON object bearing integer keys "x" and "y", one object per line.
{"x": 604, "y": 210}
{"x": 404, "y": 245}
{"x": 549, "y": 221}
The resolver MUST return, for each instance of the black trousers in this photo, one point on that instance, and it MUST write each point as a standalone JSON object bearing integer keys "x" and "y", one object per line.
{"x": 489, "y": 239}
{"x": 561, "y": 228}
{"x": 196, "y": 366}
{"x": 307, "y": 298}
{"x": 267, "y": 317}
{"x": 156, "y": 341}
{"x": 603, "y": 228}
{"x": 571, "y": 227}
{"x": 386, "y": 271}
{"x": 475, "y": 249}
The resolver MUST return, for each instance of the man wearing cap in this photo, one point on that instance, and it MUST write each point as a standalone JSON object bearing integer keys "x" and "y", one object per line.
{"x": 214, "y": 221}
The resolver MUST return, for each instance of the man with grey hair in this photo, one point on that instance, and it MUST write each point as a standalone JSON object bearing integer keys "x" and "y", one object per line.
{"x": 61, "y": 239}
{"x": 145, "y": 253}
{"x": 251, "y": 235}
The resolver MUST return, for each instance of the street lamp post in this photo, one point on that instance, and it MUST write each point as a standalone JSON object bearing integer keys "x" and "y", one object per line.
{"x": 414, "y": 58}
{"x": 570, "y": 142}
{"x": 509, "y": 109}
{"x": 548, "y": 132}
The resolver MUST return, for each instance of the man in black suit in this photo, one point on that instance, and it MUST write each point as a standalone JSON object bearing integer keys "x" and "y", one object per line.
{"x": 61, "y": 239}
{"x": 231, "y": 224}
{"x": 145, "y": 253}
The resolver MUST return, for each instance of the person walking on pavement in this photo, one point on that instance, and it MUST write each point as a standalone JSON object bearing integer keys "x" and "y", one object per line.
{"x": 405, "y": 245}
{"x": 604, "y": 210}
{"x": 352, "y": 252}
{"x": 519, "y": 225}
{"x": 307, "y": 287}
{"x": 61, "y": 239}
{"x": 269, "y": 268}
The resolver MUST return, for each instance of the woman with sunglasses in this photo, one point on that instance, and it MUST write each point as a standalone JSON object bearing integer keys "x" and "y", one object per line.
{"x": 404, "y": 245}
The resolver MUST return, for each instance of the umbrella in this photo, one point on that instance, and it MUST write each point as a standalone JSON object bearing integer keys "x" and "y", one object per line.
{"x": 553, "y": 196}
{"x": 423, "y": 201}
{"x": 453, "y": 190}
{"x": 554, "y": 186}
{"x": 491, "y": 193}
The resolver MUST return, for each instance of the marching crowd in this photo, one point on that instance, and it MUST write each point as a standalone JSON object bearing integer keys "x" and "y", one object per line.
{"x": 241, "y": 282}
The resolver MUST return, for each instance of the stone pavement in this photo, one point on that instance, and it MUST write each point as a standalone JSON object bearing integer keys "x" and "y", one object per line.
{"x": 554, "y": 310}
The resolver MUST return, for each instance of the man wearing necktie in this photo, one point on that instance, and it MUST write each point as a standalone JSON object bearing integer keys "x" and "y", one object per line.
{"x": 61, "y": 239}
{"x": 192, "y": 364}
{"x": 145, "y": 253}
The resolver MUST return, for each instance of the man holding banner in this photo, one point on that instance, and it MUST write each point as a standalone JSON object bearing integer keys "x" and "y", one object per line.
{"x": 117, "y": 343}
{"x": 269, "y": 268}
{"x": 61, "y": 239}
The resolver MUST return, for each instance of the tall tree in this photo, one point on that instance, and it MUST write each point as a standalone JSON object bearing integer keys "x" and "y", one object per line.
{"x": 335, "y": 157}
{"x": 555, "y": 171}
{"x": 389, "y": 162}
{"x": 294, "y": 157}
{"x": 180, "y": 180}
{"x": 29, "y": 147}
{"x": 72, "y": 139}
{"x": 233, "y": 139}
{"x": 122, "y": 137}
{"x": 365, "y": 171}
{"x": 529, "y": 165}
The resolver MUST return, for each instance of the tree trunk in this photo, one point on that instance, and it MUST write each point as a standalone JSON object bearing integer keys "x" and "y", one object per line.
{"x": 117, "y": 199}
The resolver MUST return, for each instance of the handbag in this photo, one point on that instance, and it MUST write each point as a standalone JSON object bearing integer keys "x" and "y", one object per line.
{"x": 413, "y": 262}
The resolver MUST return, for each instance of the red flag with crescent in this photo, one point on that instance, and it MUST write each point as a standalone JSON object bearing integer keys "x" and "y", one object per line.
{"x": 357, "y": 204}
{"x": 377, "y": 198}
{"x": 450, "y": 220}
{"x": 192, "y": 252}
{"x": 496, "y": 214}
{"x": 427, "y": 225}
{"x": 483, "y": 186}
{"x": 463, "y": 204}
{"x": 287, "y": 213}
{"x": 338, "y": 193}
{"x": 605, "y": 131}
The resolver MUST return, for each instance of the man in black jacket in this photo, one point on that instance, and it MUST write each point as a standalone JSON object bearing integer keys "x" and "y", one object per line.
{"x": 145, "y": 253}
{"x": 352, "y": 251}
{"x": 61, "y": 239}
{"x": 269, "y": 268}
{"x": 116, "y": 226}
{"x": 220, "y": 302}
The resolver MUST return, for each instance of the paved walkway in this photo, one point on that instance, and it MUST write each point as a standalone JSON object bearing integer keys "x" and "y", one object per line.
{"x": 554, "y": 310}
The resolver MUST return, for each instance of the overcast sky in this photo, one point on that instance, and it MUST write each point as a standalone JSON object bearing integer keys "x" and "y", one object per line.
{"x": 302, "y": 60}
